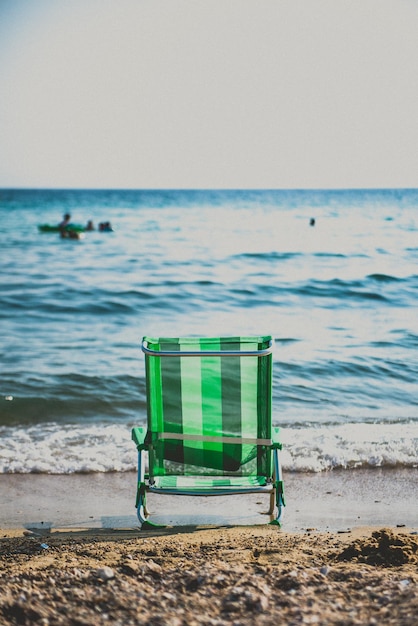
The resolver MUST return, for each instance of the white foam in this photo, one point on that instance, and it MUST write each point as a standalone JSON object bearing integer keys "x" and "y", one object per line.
{"x": 56, "y": 449}
{"x": 350, "y": 446}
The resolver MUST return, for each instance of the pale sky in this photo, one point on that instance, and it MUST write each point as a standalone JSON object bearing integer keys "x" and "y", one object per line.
{"x": 209, "y": 93}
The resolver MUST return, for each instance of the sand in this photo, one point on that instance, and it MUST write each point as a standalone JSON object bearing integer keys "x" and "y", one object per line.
{"x": 326, "y": 501}
{"x": 211, "y": 576}
{"x": 71, "y": 553}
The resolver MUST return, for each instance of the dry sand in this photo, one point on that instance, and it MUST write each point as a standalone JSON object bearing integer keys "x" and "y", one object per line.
{"x": 239, "y": 575}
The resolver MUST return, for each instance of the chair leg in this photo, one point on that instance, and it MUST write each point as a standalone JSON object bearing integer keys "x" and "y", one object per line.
{"x": 141, "y": 508}
{"x": 143, "y": 513}
{"x": 279, "y": 504}
{"x": 272, "y": 502}
{"x": 276, "y": 498}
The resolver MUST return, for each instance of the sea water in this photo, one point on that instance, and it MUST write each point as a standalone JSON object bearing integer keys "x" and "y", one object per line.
{"x": 332, "y": 275}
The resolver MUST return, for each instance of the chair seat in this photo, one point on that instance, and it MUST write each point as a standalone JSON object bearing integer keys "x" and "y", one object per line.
{"x": 210, "y": 485}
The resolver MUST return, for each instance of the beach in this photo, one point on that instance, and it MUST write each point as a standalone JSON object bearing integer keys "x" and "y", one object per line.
{"x": 324, "y": 501}
{"x": 339, "y": 298}
{"x": 71, "y": 552}
{"x": 216, "y": 576}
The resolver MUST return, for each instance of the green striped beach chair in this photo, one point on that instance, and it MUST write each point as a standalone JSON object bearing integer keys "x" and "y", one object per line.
{"x": 209, "y": 428}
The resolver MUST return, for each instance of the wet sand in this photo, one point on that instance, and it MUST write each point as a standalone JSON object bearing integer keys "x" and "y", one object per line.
{"x": 329, "y": 501}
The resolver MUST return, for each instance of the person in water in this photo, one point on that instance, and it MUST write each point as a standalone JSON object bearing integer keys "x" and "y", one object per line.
{"x": 90, "y": 225}
{"x": 66, "y": 220}
{"x": 63, "y": 226}
{"x": 66, "y": 231}
{"x": 105, "y": 227}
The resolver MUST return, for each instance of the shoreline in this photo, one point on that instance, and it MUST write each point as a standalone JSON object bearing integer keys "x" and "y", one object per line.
{"x": 331, "y": 501}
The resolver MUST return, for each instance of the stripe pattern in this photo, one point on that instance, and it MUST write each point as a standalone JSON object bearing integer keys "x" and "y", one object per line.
{"x": 197, "y": 404}
{"x": 203, "y": 484}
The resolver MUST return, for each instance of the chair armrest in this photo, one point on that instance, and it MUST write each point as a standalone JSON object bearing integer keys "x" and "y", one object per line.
{"x": 138, "y": 436}
{"x": 275, "y": 436}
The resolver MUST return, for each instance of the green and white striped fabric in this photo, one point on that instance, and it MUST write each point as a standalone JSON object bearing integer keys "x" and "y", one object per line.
{"x": 208, "y": 415}
{"x": 215, "y": 484}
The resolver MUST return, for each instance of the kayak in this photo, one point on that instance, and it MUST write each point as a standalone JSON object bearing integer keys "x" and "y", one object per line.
{"x": 52, "y": 228}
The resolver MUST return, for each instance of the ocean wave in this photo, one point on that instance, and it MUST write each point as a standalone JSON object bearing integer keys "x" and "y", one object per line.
{"x": 384, "y": 278}
{"x": 70, "y": 300}
{"x": 337, "y": 289}
{"x": 267, "y": 256}
{"x": 64, "y": 449}
{"x": 301, "y": 388}
{"x": 71, "y": 398}
{"x": 350, "y": 446}
{"x": 242, "y": 289}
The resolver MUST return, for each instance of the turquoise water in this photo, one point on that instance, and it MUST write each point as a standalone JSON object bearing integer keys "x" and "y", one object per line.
{"x": 339, "y": 297}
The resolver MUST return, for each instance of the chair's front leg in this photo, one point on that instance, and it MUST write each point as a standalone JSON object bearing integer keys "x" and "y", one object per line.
{"x": 141, "y": 506}
{"x": 272, "y": 502}
{"x": 276, "y": 497}
{"x": 141, "y": 510}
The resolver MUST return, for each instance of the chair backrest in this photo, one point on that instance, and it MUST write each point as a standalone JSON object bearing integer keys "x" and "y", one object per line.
{"x": 209, "y": 405}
